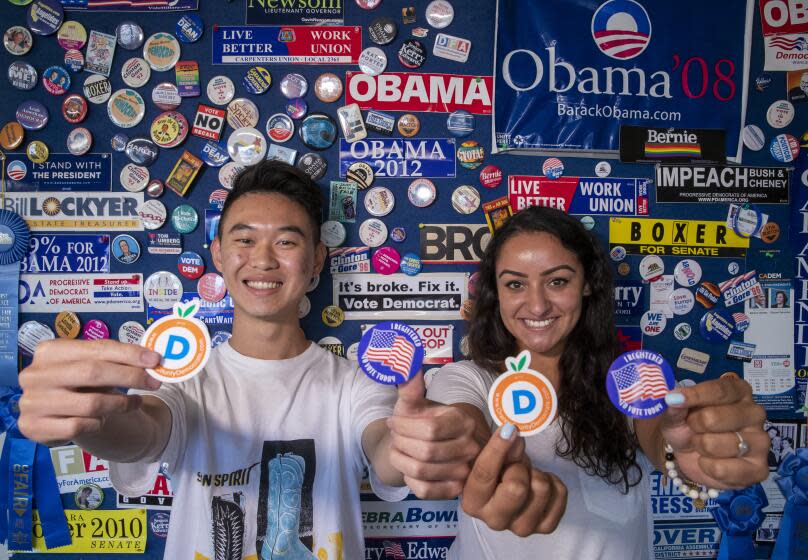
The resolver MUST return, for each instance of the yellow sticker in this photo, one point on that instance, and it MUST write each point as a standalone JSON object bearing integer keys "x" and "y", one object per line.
{"x": 116, "y": 531}
{"x": 647, "y": 236}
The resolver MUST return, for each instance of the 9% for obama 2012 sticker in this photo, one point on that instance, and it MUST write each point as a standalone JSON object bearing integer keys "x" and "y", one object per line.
{"x": 182, "y": 341}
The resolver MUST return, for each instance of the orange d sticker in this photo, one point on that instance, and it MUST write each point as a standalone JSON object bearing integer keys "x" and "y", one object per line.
{"x": 183, "y": 342}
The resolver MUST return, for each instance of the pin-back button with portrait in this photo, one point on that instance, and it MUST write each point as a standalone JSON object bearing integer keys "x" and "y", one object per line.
{"x": 470, "y": 154}
{"x": 422, "y": 192}
{"x": 382, "y": 30}
{"x": 32, "y": 115}
{"x": 22, "y": 75}
{"x": 242, "y": 113}
{"x": 386, "y": 260}
{"x": 184, "y": 218}
{"x": 280, "y": 127}
{"x": 373, "y": 232}
{"x": 11, "y": 135}
{"x": 333, "y": 316}
{"x": 18, "y": 40}
{"x": 129, "y": 35}
{"x": 439, "y": 14}
{"x": 126, "y": 108}
{"x": 784, "y": 148}
{"x": 67, "y": 324}
{"x": 79, "y": 141}
{"x": 31, "y": 334}
{"x": 460, "y": 123}
{"x": 166, "y": 96}
{"x": 412, "y": 54}
{"x": 220, "y": 90}
{"x": 465, "y": 199}
{"x": 131, "y": 332}
{"x": 377, "y": 345}
{"x": 190, "y": 28}
{"x": 142, "y": 151}
{"x": 361, "y": 174}
{"x": 118, "y": 142}
{"x": 56, "y": 80}
{"x": 134, "y": 178}
{"x": 152, "y": 213}
{"x": 37, "y": 151}
{"x": 125, "y": 249}
{"x": 318, "y": 131}
{"x": 211, "y": 287}
{"x": 97, "y": 89}
{"x": 135, "y": 72}
{"x": 74, "y": 60}
{"x": 228, "y": 174}
{"x": 313, "y": 165}
{"x": 523, "y": 397}
{"x": 328, "y": 87}
{"x": 408, "y": 125}
{"x": 379, "y": 201}
{"x": 246, "y": 146}
{"x": 44, "y": 17}
{"x": 637, "y": 382}
{"x": 257, "y": 80}
{"x": 161, "y": 51}
{"x": 294, "y": 85}
{"x": 167, "y": 129}
{"x": 162, "y": 289}
{"x": 71, "y": 35}
{"x": 190, "y": 265}
{"x": 332, "y": 233}
{"x": 372, "y": 61}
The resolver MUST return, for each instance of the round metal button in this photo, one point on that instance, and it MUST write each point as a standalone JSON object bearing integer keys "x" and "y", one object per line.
{"x": 37, "y": 151}
{"x": 71, "y": 35}
{"x": 372, "y": 61}
{"x": 32, "y": 115}
{"x": 97, "y": 89}
{"x": 45, "y": 16}
{"x": 328, "y": 87}
{"x": 439, "y": 14}
{"x": 129, "y": 35}
{"x": 18, "y": 40}
{"x": 422, "y": 192}
{"x": 246, "y": 146}
{"x": 56, "y": 80}
{"x": 412, "y": 54}
{"x": 22, "y": 75}
{"x": 257, "y": 80}
{"x": 74, "y": 108}
{"x": 382, "y": 30}
{"x": 79, "y": 141}
{"x": 11, "y": 135}
{"x": 294, "y": 85}
{"x": 221, "y": 90}
{"x": 408, "y": 125}
{"x": 135, "y": 72}
{"x": 161, "y": 51}
{"x": 126, "y": 108}
{"x": 166, "y": 96}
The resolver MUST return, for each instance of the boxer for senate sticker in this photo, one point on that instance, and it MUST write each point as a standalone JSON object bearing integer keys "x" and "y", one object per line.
{"x": 637, "y": 382}
{"x": 522, "y": 396}
{"x": 183, "y": 342}
{"x": 391, "y": 353}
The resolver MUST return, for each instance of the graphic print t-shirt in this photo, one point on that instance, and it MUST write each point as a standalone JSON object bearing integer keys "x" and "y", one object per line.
{"x": 265, "y": 458}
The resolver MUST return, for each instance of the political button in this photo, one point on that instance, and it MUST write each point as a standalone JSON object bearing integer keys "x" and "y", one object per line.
{"x": 71, "y": 35}
{"x": 333, "y": 233}
{"x": 421, "y": 193}
{"x": 328, "y": 87}
{"x": 169, "y": 129}
{"x": 408, "y": 125}
{"x": 215, "y": 153}
{"x": 386, "y": 260}
{"x": 652, "y": 268}
{"x": 770, "y": 232}
{"x": 653, "y": 322}
{"x": 372, "y": 61}
{"x": 45, "y": 16}
{"x": 637, "y": 382}
{"x": 682, "y": 331}
{"x": 30, "y": 334}
{"x": 161, "y": 51}
{"x": 95, "y": 329}
{"x": 118, "y": 142}
{"x": 741, "y": 321}
{"x": 379, "y": 201}
{"x": 37, "y": 151}
{"x": 490, "y": 176}
{"x": 79, "y": 141}
{"x": 155, "y": 188}
{"x": 391, "y": 353}
{"x": 361, "y": 174}
{"x": 333, "y": 316}
{"x": 681, "y": 301}
{"x": 67, "y": 324}
{"x": 784, "y": 148}
{"x": 135, "y": 72}
{"x": 125, "y": 249}
{"x": 439, "y": 14}
{"x": 623, "y": 269}
{"x": 182, "y": 341}
{"x": 373, "y": 232}
{"x": 74, "y": 108}
{"x": 603, "y": 169}
{"x": 189, "y": 28}
{"x": 294, "y": 85}
{"x": 753, "y": 137}
{"x": 552, "y": 168}
{"x": 32, "y": 115}
{"x": 465, "y": 199}
{"x": 246, "y": 146}
{"x": 242, "y": 113}
{"x": 313, "y": 165}
{"x": 280, "y": 127}
{"x": 382, "y": 30}
{"x": 318, "y": 131}
{"x": 190, "y": 265}
{"x": 382, "y": 123}
{"x": 368, "y": 4}
{"x": 687, "y": 273}
{"x": 184, "y": 218}
{"x": 228, "y": 174}
{"x": 11, "y": 135}
{"x": 410, "y": 264}
{"x": 717, "y": 326}
{"x": 162, "y": 289}
{"x": 746, "y": 220}
{"x": 166, "y": 96}
{"x": 217, "y": 198}
{"x": 22, "y": 75}
{"x": 56, "y": 80}
{"x": 129, "y": 35}
{"x": 412, "y": 54}
{"x": 460, "y": 123}
{"x": 152, "y": 214}
{"x": 97, "y": 89}
{"x": 257, "y": 80}
{"x": 398, "y": 234}
{"x": 763, "y": 81}
{"x": 470, "y": 154}
{"x": 523, "y": 397}
{"x": 219, "y": 337}
{"x": 126, "y": 108}
{"x": 296, "y": 108}
{"x": 74, "y": 61}
{"x": 780, "y": 114}
{"x": 134, "y": 178}
{"x": 708, "y": 294}
{"x": 211, "y": 287}
{"x": 131, "y": 332}
{"x": 618, "y": 253}
{"x": 733, "y": 268}
{"x": 142, "y": 151}
{"x": 18, "y": 40}
{"x": 220, "y": 90}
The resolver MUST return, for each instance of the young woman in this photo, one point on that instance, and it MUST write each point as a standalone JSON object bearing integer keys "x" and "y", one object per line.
{"x": 545, "y": 286}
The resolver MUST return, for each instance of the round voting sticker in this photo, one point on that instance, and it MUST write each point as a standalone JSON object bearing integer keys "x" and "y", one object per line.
{"x": 391, "y": 353}
{"x": 183, "y": 342}
{"x": 637, "y": 383}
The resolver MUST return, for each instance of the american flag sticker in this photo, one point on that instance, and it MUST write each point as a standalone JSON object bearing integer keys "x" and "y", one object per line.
{"x": 637, "y": 383}
{"x": 391, "y": 353}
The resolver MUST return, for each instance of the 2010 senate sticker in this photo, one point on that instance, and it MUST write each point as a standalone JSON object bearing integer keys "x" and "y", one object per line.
{"x": 183, "y": 342}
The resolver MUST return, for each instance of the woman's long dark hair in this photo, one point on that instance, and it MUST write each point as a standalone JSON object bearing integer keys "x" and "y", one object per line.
{"x": 596, "y": 435}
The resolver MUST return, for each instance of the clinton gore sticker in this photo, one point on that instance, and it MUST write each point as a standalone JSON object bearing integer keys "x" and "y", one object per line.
{"x": 183, "y": 342}
{"x": 391, "y": 353}
{"x": 523, "y": 397}
{"x": 637, "y": 383}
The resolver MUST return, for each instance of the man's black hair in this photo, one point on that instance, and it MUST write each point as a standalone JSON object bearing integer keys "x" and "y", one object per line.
{"x": 277, "y": 177}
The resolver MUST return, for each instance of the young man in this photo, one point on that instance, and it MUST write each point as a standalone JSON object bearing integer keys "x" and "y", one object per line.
{"x": 266, "y": 446}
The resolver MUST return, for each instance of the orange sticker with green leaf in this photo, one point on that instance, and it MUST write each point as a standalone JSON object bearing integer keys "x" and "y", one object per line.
{"x": 183, "y": 342}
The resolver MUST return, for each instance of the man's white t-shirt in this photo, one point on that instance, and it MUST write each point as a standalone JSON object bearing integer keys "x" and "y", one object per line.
{"x": 265, "y": 458}
{"x": 600, "y": 523}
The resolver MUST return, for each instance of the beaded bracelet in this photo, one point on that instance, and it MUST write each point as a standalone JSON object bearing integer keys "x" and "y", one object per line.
{"x": 699, "y": 493}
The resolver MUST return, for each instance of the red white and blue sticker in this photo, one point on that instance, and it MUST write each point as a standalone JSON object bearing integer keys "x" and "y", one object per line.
{"x": 717, "y": 326}
{"x": 391, "y": 353}
{"x": 240, "y": 44}
{"x": 637, "y": 383}
{"x": 552, "y": 168}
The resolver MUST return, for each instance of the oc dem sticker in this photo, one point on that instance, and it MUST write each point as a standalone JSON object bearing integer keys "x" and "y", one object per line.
{"x": 637, "y": 383}
{"x": 523, "y": 397}
{"x": 391, "y": 353}
{"x": 183, "y": 342}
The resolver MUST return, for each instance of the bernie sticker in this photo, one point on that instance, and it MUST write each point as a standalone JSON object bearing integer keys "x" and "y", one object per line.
{"x": 391, "y": 353}
{"x": 183, "y": 342}
{"x": 522, "y": 396}
{"x": 637, "y": 383}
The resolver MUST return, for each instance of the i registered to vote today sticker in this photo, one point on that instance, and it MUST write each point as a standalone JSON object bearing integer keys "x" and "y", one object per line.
{"x": 391, "y": 353}
{"x": 637, "y": 382}
{"x": 183, "y": 342}
{"x": 523, "y": 397}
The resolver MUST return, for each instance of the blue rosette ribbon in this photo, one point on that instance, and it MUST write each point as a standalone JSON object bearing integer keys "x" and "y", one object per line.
{"x": 14, "y": 243}
{"x": 792, "y": 540}
{"x": 738, "y": 515}
{"x": 29, "y": 476}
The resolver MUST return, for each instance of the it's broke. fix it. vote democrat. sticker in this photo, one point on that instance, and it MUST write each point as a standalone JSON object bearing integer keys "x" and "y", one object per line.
{"x": 523, "y": 397}
{"x": 391, "y": 353}
{"x": 182, "y": 341}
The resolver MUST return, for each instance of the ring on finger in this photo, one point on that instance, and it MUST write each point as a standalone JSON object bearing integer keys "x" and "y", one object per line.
{"x": 743, "y": 446}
